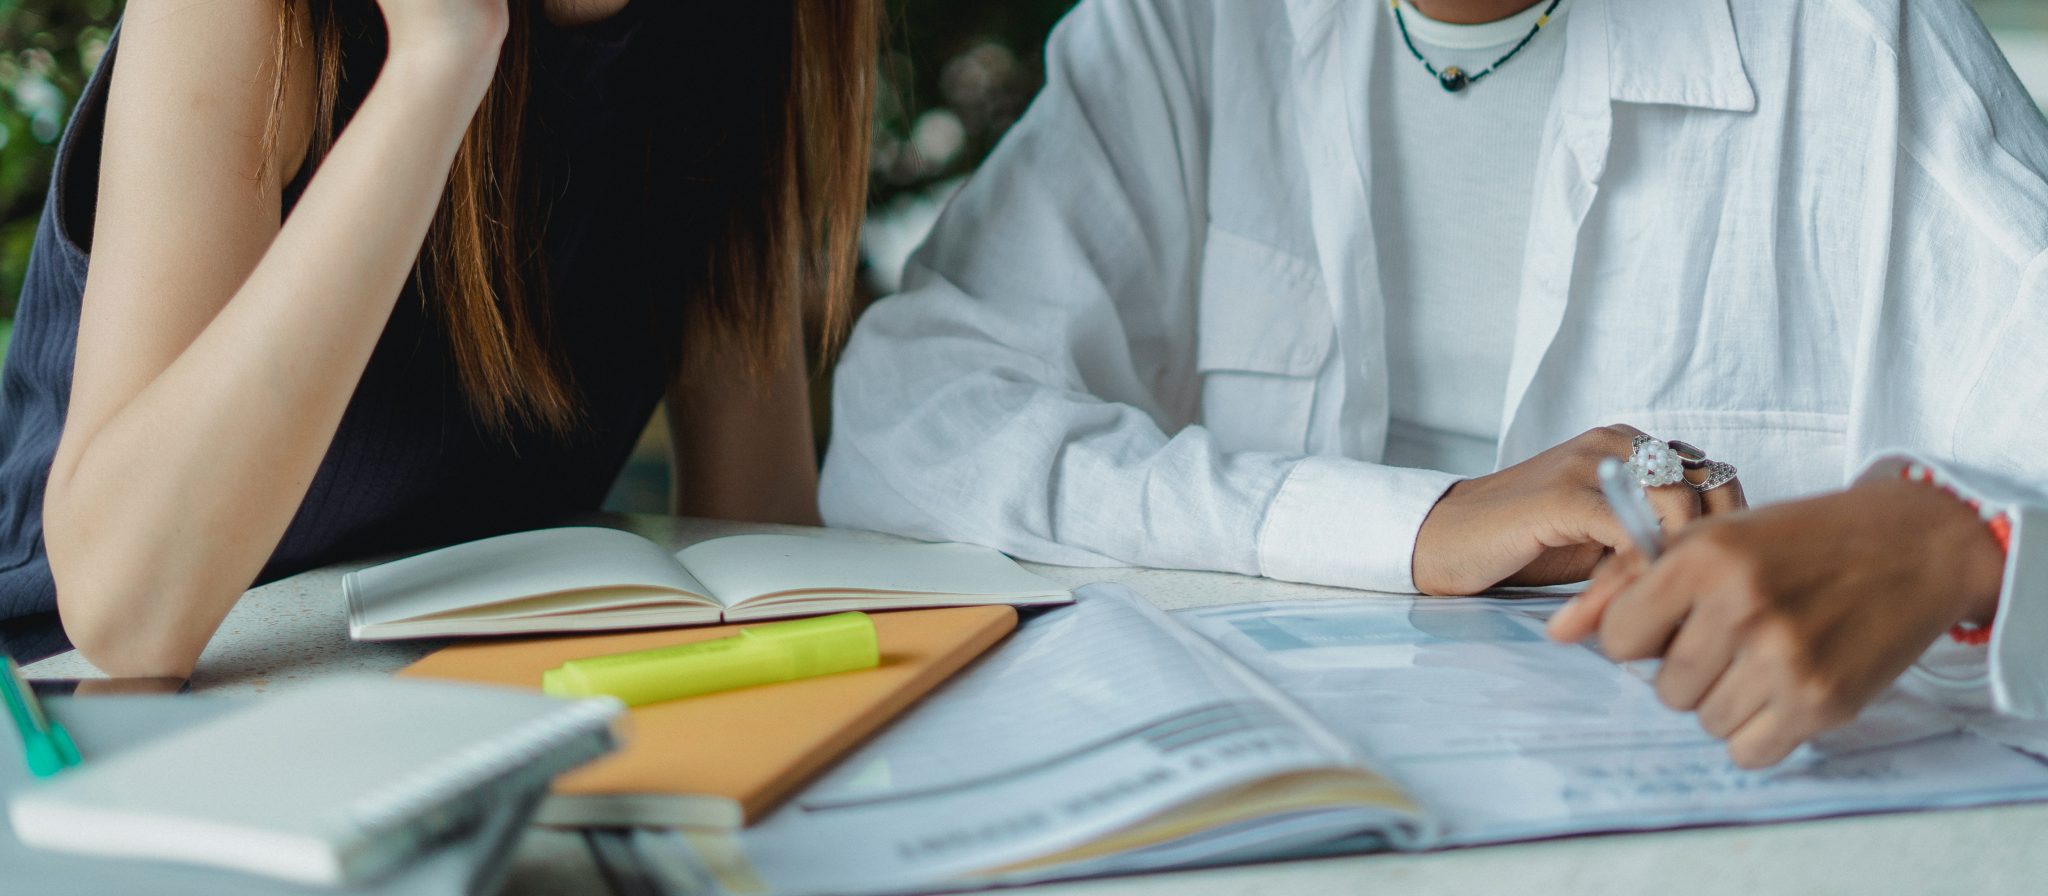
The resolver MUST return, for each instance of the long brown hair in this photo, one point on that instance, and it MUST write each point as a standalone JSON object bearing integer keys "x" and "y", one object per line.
{"x": 779, "y": 236}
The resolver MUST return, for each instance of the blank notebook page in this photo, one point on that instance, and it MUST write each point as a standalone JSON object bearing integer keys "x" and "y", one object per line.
{"x": 523, "y": 564}
{"x": 742, "y": 567}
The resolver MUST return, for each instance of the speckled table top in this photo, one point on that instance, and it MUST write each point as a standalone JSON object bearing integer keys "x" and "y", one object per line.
{"x": 296, "y": 630}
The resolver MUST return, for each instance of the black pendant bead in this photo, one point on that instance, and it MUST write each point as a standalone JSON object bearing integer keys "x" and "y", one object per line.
{"x": 1453, "y": 79}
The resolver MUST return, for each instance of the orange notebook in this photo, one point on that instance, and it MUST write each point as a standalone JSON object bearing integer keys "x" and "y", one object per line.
{"x": 724, "y": 760}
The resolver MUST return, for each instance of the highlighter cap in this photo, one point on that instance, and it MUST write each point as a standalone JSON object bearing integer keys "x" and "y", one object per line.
{"x": 822, "y": 645}
{"x": 555, "y": 683}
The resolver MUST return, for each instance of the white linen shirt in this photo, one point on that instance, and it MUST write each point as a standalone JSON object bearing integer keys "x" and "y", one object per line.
{"x": 1150, "y": 331}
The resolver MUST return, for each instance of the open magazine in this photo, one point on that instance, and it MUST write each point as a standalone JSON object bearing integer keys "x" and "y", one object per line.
{"x": 1109, "y": 738}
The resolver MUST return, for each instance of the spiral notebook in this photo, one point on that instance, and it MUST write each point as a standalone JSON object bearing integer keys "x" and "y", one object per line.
{"x": 472, "y": 863}
{"x": 335, "y": 784}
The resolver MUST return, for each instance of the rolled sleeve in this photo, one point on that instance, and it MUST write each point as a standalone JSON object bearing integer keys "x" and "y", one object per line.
{"x": 1337, "y": 521}
{"x": 2019, "y": 639}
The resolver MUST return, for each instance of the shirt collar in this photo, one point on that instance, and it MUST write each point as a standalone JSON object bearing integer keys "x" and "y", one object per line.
{"x": 1676, "y": 53}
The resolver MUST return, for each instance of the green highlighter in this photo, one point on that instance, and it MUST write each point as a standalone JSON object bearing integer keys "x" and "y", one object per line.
{"x": 760, "y": 654}
{"x": 45, "y": 743}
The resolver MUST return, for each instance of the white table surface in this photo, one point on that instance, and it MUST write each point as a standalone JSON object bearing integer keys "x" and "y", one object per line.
{"x": 295, "y": 631}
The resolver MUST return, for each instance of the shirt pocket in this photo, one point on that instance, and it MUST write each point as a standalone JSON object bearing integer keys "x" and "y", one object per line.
{"x": 1778, "y": 455}
{"x": 1263, "y": 332}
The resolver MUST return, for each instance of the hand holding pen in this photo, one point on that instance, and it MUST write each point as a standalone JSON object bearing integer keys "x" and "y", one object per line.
{"x": 1777, "y": 624}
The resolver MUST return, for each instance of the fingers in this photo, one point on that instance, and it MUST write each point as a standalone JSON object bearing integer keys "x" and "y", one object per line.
{"x": 1676, "y": 505}
{"x": 1580, "y": 617}
{"x": 1708, "y": 639}
{"x": 1590, "y": 520}
{"x": 1725, "y": 498}
{"x": 1770, "y": 735}
{"x": 1761, "y": 722}
{"x": 1734, "y": 699}
{"x": 1641, "y": 620}
{"x": 1700, "y": 654}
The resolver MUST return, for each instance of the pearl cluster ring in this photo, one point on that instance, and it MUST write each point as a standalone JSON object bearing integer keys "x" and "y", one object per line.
{"x": 1655, "y": 463}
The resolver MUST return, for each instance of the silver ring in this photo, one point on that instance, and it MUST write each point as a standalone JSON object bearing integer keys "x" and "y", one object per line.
{"x": 1688, "y": 454}
{"x": 1719, "y": 473}
{"x": 1654, "y": 463}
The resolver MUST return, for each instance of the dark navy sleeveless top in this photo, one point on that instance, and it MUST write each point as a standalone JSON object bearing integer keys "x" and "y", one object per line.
{"x": 409, "y": 466}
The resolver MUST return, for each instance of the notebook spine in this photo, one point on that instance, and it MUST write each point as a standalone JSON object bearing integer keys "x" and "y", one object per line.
{"x": 417, "y": 796}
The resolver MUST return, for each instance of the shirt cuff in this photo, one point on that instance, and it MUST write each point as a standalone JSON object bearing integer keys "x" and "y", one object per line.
{"x": 2018, "y": 653}
{"x": 1337, "y": 521}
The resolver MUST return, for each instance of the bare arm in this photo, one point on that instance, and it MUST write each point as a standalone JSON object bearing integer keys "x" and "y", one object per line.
{"x": 743, "y": 451}
{"x": 217, "y": 349}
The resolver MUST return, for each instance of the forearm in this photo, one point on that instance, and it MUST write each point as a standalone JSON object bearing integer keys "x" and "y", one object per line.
{"x": 161, "y": 514}
{"x": 744, "y": 450}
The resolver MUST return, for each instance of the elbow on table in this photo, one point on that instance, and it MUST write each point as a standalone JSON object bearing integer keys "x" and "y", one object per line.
{"x": 122, "y": 643}
{"x": 115, "y": 616}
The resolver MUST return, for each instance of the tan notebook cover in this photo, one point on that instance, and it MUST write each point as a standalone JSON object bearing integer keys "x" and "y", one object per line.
{"x": 724, "y": 760}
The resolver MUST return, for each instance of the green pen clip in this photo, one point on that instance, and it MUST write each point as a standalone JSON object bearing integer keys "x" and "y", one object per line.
{"x": 45, "y": 744}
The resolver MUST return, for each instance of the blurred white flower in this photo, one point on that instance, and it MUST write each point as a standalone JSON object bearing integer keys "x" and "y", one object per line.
{"x": 938, "y": 137}
{"x": 978, "y": 78}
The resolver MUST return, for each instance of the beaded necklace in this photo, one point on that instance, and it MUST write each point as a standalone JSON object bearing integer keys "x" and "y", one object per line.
{"x": 1454, "y": 78}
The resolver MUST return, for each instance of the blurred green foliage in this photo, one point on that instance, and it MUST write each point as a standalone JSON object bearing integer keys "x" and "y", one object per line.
{"x": 47, "y": 50}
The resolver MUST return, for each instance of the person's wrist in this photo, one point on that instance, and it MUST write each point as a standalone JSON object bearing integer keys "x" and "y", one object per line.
{"x": 457, "y": 57}
{"x": 1441, "y": 562}
{"x": 1957, "y": 534}
{"x": 442, "y": 82}
{"x": 1421, "y": 565}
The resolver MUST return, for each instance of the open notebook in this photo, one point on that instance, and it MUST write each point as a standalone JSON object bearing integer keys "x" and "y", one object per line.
{"x": 1107, "y": 737}
{"x": 594, "y": 579}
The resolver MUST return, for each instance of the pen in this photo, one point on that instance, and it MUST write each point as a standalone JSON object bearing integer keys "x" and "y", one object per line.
{"x": 1632, "y": 507}
{"x": 45, "y": 744}
{"x": 759, "y": 654}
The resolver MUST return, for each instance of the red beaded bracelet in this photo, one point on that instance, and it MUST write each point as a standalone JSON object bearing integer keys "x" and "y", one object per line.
{"x": 2001, "y": 530}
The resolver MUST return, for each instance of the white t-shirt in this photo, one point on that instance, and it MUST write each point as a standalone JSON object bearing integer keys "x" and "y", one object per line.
{"x": 1452, "y": 181}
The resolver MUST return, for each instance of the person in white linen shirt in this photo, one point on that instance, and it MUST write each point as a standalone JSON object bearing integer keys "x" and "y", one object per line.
{"x": 1193, "y": 313}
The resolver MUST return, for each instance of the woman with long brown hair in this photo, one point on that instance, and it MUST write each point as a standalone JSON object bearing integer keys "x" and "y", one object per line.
{"x": 335, "y": 277}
